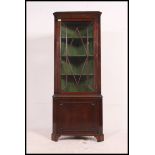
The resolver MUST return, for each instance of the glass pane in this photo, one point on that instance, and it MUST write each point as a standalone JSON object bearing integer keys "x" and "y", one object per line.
{"x": 77, "y": 57}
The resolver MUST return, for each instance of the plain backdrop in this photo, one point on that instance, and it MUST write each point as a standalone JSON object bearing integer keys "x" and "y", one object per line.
{"x": 141, "y": 77}
{"x": 40, "y": 63}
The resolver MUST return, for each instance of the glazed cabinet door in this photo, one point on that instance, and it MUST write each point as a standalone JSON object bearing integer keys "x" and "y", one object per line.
{"x": 77, "y": 55}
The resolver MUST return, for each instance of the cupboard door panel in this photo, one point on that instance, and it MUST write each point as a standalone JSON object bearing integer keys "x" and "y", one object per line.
{"x": 76, "y": 116}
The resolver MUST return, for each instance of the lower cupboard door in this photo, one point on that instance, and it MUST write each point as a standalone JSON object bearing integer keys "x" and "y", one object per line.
{"x": 76, "y": 116}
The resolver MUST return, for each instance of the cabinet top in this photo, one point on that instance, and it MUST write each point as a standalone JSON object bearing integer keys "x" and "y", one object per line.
{"x": 76, "y": 13}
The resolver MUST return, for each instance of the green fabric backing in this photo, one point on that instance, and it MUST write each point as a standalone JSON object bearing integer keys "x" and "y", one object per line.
{"x": 76, "y": 59}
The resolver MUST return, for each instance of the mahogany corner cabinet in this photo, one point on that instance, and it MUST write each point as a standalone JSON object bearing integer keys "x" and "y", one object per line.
{"x": 77, "y": 99}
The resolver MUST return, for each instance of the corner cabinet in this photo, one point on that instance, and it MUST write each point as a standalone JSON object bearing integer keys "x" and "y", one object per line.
{"x": 77, "y": 99}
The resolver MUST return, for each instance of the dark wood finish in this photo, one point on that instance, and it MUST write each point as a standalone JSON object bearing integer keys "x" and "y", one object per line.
{"x": 77, "y": 113}
{"x": 99, "y": 138}
{"x": 55, "y": 137}
{"x": 77, "y": 15}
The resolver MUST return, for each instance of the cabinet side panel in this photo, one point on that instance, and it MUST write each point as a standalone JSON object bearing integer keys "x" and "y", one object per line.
{"x": 99, "y": 54}
{"x": 57, "y": 57}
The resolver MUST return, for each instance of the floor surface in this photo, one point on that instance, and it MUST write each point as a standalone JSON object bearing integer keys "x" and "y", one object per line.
{"x": 38, "y": 141}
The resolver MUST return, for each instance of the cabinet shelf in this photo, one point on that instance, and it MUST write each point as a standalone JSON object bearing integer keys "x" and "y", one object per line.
{"x": 76, "y": 47}
{"x": 77, "y": 74}
{"x": 83, "y": 37}
{"x": 77, "y": 55}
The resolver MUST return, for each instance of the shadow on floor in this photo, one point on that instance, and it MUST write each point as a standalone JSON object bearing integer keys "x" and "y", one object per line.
{"x": 77, "y": 138}
{"x": 46, "y": 133}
